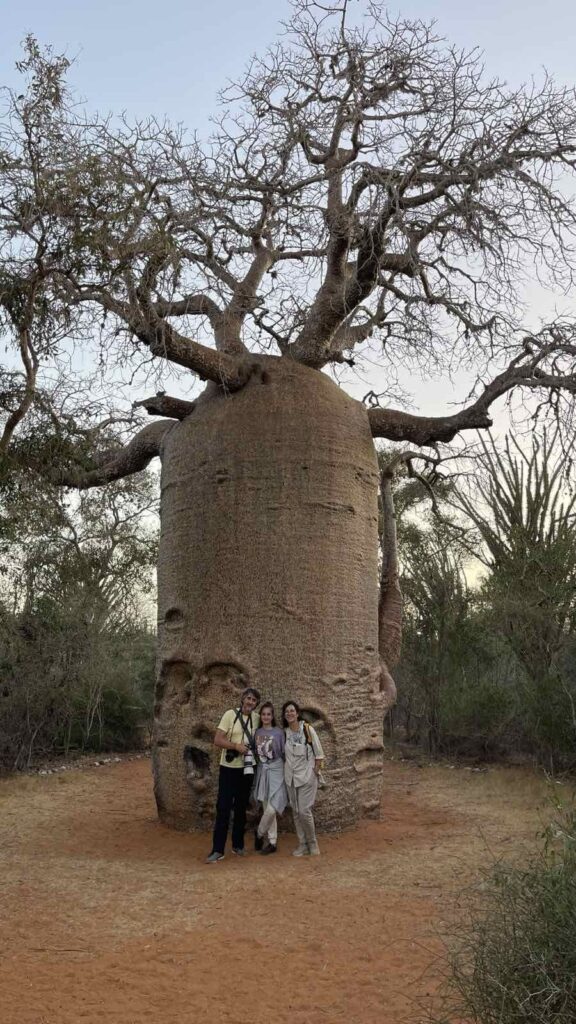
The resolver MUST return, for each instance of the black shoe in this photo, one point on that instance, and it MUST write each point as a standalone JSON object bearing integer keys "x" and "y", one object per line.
{"x": 270, "y": 848}
{"x": 258, "y": 842}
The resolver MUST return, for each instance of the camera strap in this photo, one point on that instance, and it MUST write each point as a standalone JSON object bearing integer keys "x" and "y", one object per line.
{"x": 249, "y": 737}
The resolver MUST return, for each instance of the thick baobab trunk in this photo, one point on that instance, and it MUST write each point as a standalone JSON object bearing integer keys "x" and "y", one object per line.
{"x": 268, "y": 568}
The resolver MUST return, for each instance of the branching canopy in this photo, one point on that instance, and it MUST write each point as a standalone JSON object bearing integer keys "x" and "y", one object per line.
{"x": 366, "y": 190}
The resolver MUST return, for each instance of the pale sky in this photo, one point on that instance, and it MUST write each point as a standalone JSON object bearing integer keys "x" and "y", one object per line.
{"x": 146, "y": 57}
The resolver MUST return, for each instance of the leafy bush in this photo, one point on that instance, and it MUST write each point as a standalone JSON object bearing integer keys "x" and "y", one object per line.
{"x": 549, "y": 721}
{"x": 76, "y": 653}
{"x": 65, "y": 685}
{"x": 475, "y": 716}
{"x": 515, "y": 962}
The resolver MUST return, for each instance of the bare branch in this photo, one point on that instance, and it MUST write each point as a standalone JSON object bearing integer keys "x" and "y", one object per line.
{"x": 30, "y": 363}
{"x": 396, "y": 425}
{"x": 190, "y": 305}
{"x": 165, "y": 341}
{"x": 164, "y": 405}
{"x": 133, "y": 458}
{"x": 545, "y": 364}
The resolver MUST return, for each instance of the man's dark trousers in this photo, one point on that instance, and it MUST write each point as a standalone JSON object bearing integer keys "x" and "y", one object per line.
{"x": 233, "y": 796}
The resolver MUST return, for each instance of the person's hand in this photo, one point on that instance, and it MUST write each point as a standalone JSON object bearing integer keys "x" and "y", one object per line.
{"x": 241, "y": 748}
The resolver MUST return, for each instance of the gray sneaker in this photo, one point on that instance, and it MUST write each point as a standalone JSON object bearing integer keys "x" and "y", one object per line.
{"x": 240, "y": 852}
{"x": 214, "y": 857}
{"x": 314, "y": 850}
{"x": 301, "y": 851}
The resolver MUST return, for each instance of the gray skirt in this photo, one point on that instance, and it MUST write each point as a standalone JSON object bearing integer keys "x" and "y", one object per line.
{"x": 270, "y": 787}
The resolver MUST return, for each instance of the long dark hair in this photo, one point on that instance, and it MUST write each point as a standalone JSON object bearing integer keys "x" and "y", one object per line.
{"x": 268, "y": 704}
{"x": 287, "y": 705}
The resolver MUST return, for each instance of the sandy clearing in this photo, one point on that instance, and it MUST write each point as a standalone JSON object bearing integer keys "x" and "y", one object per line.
{"x": 107, "y": 917}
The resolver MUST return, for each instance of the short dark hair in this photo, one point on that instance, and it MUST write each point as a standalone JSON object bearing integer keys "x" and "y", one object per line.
{"x": 253, "y": 691}
{"x": 287, "y": 705}
{"x": 268, "y": 704}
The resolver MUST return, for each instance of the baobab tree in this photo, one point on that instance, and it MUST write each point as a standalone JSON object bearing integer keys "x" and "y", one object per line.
{"x": 366, "y": 191}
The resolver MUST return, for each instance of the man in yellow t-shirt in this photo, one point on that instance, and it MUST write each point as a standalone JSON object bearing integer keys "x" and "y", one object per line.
{"x": 235, "y": 737}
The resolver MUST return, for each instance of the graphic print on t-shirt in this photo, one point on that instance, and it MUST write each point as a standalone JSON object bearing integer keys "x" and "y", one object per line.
{"x": 264, "y": 746}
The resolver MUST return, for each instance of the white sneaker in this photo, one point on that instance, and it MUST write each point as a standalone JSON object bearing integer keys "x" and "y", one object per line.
{"x": 314, "y": 850}
{"x": 301, "y": 851}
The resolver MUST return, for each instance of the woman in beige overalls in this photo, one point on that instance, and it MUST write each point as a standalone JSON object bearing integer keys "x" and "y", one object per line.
{"x": 303, "y": 761}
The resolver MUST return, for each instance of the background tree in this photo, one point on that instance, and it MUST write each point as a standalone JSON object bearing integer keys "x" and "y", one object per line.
{"x": 35, "y": 130}
{"x": 365, "y": 191}
{"x": 452, "y": 697}
{"x": 523, "y": 507}
{"x": 459, "y": 686}
{"x": 488, "y": 660}
{"x": 75, "y": 647}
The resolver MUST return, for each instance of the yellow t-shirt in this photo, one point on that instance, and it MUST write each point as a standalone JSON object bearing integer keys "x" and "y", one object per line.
{"x": 235, "y": 733}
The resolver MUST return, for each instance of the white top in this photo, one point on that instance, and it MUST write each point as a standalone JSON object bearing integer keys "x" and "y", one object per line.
{"x": 300, "y": 756}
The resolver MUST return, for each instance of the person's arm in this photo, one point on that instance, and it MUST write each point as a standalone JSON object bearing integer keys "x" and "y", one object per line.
{"x": 317, "y": 750}
{"x": 221, "y": 740}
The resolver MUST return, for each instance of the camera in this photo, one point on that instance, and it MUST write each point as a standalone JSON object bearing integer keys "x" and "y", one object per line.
{"x": 249, "y": 762}
{"x": 230, "y": 756}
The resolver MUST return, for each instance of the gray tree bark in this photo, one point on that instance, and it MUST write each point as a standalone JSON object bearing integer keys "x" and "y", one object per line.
{"x": 268, "y": 568}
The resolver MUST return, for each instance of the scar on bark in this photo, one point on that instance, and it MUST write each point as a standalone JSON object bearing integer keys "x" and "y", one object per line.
{"x": 174, "y": 618}
{"x": 173, "y": 687}
{"x": 228, "y": 678}
{"x": 220, "y": 681}
{"x": 368, "y": 759}
{"x": 175, "y": 682}
{"x": 197, "y": 764}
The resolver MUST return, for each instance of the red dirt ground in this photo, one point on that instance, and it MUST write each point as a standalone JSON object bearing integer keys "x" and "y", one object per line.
{"x": 107, "y": 917}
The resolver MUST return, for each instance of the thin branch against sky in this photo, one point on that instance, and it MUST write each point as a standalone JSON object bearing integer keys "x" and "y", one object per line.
{"x": 150, "y": 58}
{"x": 173, "y": 59}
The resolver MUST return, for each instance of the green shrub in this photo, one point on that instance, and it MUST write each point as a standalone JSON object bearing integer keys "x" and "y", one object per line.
{"x": 515, "y": 962}
{"x": 548, "y": 722}
{"x": 67, "y": 686}
{"x": 474, "y": 715}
